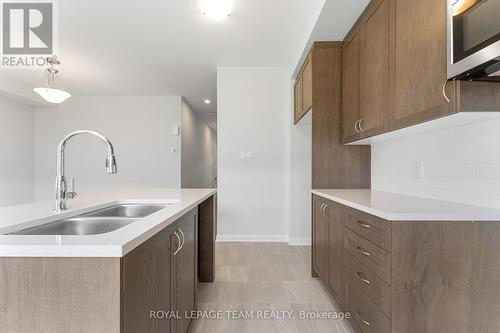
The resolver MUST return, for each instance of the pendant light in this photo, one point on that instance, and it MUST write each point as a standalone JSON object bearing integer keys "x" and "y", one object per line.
{"x": 49, "y": 92}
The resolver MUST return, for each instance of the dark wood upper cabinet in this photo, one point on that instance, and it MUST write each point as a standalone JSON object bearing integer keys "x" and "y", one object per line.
{"x": 374, "y": 83}
{"x": 303, "y": 90}
{"x": 350, "y": 84}
{"x": 394, "y": 71}
{"x": 418, "y": 63}
{"x": 307, "y": 90}
{"x": 334, "y": 165}
{"x": 298, "y": 100}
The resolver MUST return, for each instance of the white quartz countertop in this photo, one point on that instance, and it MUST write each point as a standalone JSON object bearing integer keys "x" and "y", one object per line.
{"x": 398, "y": 207}
{"x": 112, "y": 244}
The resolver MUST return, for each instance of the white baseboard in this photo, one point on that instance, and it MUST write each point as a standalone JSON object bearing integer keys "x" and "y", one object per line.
{"x": 299, "y": 241}
{"x": 253, "y": 238}
{"x": 263, "y": 239}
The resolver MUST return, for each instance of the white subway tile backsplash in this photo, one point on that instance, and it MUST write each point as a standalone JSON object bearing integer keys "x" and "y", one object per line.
{"x": 459, "y": 164}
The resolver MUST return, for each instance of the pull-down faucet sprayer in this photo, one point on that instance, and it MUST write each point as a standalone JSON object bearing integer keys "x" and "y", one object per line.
{"x": 62, "y": 193}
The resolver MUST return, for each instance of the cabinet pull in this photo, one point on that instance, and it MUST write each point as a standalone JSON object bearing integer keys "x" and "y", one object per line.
{"x": 183, "y": 239}
{"x": 366, "y": 322}
{"x": 363, "y": 251}
{"x": 364, "y": 225}
{"x": 178, "y": 243}
{"x": 444, "y": 91}
{"x": 321, "y": 209}
{"x": 362, "y": 278}
{"x": 361, "y": 127}
{"x": 356, "y": 126}
{"x": 324, "y": 210}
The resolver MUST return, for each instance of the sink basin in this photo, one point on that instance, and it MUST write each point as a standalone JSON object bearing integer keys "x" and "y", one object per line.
{"x": 97, "y": 222}
{"x": 78, "y": 226}
{"x": 127, "y": 210}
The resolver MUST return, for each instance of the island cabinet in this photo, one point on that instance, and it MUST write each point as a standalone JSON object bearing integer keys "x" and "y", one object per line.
{"x": 151, "y": 289}
{"x": 394, "y": 71}
{"x": 408, "y": 276}
{"x": 159, "y": 280}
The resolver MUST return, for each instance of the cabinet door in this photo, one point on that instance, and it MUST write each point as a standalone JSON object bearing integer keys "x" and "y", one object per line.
{"x": 336, "y": 215}
{"x": 350, "y": 88}
{"x": 374, "y": 78}
{"x": 419, "y": 67}
{"x": 307, "y": 86}
{"x": 320, "y": 238}
{"x": 146, "y": 285}
{"x": 298, "y": 99}
{"x": 184, "y": 272}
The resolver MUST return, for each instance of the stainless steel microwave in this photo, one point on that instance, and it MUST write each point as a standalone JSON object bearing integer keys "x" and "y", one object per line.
{"x": 473, "y": 39}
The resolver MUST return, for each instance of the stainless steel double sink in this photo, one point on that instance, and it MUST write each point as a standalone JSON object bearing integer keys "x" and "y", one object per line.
{"x": 96, "y": 222}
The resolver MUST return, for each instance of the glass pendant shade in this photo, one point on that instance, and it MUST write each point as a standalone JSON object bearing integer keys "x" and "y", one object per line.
{"x": 52, "y": 95}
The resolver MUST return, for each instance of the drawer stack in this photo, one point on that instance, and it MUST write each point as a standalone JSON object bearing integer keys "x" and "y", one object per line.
{"x": 367, "y": 270}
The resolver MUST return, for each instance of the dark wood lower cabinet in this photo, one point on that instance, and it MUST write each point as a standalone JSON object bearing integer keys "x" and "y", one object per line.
{"x": 336, "y": 216}
{"x": 431, "y": 277}
{"x": 145, "y": 279}
{"x": 160, "y": 275}
{"x": 320, "y": 236}
{"x": 184, "y": 272}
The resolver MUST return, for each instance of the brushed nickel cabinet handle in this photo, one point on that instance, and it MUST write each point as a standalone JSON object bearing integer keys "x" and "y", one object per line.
{"x": 444, "y": 91}
{"x": 324, "y": 210}
{"x": 178, "y": 243}
{"x": 364, "y": 225}
{"x": 321, "y": 209}
{"x": 356, "y": 126}
{"x": 366, "y": 322}
{"x": 183, "y": 239}
{"x": 363, "y": 251}
{"x": 358, "y": 274}
{"x": 361, "y": 127}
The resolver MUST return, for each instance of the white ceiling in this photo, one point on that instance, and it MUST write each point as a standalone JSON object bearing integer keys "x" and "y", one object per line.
{"x": 167, "y": 47}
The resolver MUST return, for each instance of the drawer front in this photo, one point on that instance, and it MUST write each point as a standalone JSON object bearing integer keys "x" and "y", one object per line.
{"x": 376, "y": 289}
{"x": 366, "y": 314}
{"x": 370, "y": 227}
{"x": 373, "y": 257}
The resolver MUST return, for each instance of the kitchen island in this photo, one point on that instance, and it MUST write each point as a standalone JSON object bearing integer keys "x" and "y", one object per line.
{"x": 117, "y": 281}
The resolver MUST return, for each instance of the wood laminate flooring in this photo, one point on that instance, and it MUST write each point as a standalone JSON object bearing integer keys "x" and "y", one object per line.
{"x": 253, "y": 280}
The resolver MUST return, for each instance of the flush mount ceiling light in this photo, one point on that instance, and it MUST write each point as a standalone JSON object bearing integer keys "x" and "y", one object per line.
{"x": 49, "y": 92}
{"x": 207, "y": 101}
{"x": 216, "y": 9}
{"x": 460, "y": 6}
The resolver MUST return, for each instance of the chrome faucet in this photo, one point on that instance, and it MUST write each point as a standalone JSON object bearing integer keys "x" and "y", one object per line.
{"x": 62, "y": 193}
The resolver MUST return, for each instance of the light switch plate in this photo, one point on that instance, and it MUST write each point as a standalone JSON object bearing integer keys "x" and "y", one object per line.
{"x": 246, "y": 155}
{"x": 176, "y": 130}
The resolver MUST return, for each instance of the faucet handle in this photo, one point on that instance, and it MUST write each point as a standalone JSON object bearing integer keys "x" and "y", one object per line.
{"x": 71, "y": 193}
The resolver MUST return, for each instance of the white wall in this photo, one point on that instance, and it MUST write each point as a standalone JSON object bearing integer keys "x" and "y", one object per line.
{"x": 253, "y": 116}
{"x": 461, "y": 164}
{"x": 300, "y": 180}
{"x": 16, "y": 153}
{"x": 141, "y": 129}
{"x": 198, "y": 150}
